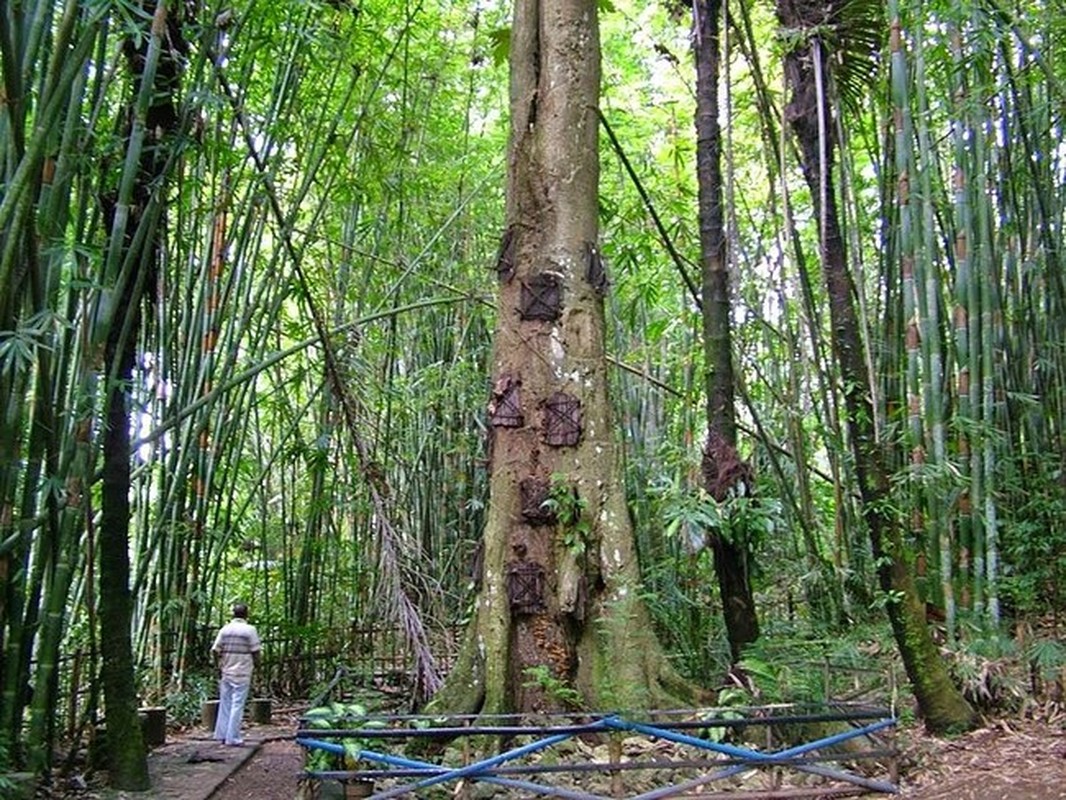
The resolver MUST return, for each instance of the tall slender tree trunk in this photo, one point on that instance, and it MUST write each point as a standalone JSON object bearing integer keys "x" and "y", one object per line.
{"x": 127, "y": 762}
{"x": 723, "y": 472}
{"x": 809, "y": 115}
{"x": 560, "y": 595}
{"x": 133, "y": 260}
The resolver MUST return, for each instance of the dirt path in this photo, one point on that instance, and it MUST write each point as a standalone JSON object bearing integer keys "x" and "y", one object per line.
{"x": 1005, "y": 761}
{"x": 271, "y": 773}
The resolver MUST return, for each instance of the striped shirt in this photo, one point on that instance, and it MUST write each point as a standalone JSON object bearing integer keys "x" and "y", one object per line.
{"x": 235, "y": 644}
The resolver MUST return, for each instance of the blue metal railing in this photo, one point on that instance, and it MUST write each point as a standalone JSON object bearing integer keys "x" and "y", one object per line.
{"x": 815, "y": 757}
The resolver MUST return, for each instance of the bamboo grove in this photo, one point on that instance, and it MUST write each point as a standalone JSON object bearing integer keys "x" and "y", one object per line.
{"x": 246, "y": 305}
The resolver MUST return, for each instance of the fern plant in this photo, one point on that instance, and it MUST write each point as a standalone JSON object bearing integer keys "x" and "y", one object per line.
{"x": 568, "y": 508}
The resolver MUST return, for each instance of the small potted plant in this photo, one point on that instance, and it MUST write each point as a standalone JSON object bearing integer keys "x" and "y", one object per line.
{"x": 341, "y": 716}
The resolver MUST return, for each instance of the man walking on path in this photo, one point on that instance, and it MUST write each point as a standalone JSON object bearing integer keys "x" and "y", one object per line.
{"x": 236, "y": 649}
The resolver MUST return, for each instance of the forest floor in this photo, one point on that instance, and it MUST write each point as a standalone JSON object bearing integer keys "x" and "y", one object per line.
{"x": 1003, "y": 760}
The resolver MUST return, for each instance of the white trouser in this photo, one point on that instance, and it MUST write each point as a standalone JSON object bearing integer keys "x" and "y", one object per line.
{"x": 231, "y": 697}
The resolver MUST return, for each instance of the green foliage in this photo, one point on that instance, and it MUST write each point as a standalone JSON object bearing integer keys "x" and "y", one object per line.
{"x": 6, "y": 784}
{"x": 750, "y": 520}
{"x": 789, "y": 666}
{"x": 741, "y": 518}
{"x": 184, "y": 704}
{"x": 500, "y": 40}
{"x": 782, "y": 681}
{"x": 786, "y": 668}
{"x": 569, "y": 509}
{"x": 682, "y": 595}
{"x": 856, "y": 41}
{"x": 561, "y": 692}
{"x": 691, "y": 514}
{"x": 729, "y": 698}
{"x": 682, "y": 605}
{"x": 1046, "y": 656}
{"x": 882, "y": 599}
{"x": 339, "y": 716}
{"x": 991, "y": 673}
{"x": 17, "y": 347}
{"x": 1034, "y": 534}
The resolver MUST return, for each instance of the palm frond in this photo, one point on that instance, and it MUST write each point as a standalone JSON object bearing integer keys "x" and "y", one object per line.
{"x": 858, "y": 30}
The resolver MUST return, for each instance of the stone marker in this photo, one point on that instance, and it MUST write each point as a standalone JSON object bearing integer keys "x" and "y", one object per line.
{"x": 209, "y": 714}
{"x": 261, "y": 710}
{"x": 153, "y": 724}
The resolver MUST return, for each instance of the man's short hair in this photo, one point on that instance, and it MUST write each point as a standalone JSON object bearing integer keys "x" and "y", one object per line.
{"x": 240, "y": 610}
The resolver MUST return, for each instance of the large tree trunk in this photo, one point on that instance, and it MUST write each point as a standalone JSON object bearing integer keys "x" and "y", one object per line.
{"x": 560, "y": 595}
{"x": 724, "y": 473}
{"x": 808, "y": 113}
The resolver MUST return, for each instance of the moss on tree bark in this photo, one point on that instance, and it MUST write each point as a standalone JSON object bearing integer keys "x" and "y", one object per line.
{"x": 808, "y": 113}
